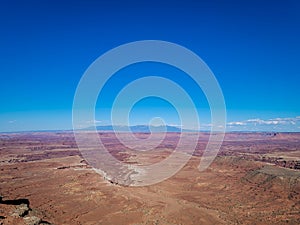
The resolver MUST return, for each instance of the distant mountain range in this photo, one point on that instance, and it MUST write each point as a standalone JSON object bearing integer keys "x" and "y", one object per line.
{"x": 140, "y": 128}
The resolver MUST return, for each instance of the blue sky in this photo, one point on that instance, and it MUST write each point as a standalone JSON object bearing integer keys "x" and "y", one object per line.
{"x": 252, "y": 47}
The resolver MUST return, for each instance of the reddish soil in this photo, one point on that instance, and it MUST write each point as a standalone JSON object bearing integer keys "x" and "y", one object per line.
{"x": 255, "y": 179}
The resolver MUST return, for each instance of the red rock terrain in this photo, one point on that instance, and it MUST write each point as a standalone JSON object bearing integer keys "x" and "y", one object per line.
{"x": 254, "y": 180}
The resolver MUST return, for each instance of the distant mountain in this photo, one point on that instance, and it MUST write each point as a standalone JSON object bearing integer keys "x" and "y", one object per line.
{"x": 140, "y": 128}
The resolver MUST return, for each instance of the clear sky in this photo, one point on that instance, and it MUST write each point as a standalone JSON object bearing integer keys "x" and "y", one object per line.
{"x": 252, "y": 47}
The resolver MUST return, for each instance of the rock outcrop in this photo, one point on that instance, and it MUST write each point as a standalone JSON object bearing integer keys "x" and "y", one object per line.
{"x": 18, "y": 211}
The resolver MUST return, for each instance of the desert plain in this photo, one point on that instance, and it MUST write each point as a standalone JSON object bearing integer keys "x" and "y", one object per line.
{"x": 255, "y": 179}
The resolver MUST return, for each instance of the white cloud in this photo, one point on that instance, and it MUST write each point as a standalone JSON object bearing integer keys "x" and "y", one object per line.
{"x": 260, "y": 121}
{"x": 282, "y": 122}
{"x": 236, "y": 123}
{"x": 12, "y": 121}
{"x": 275, "y": 121}
{"x": 254, "y": 120}
{"x": 175, "y": 125}
{"x": 94, "y": 121}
